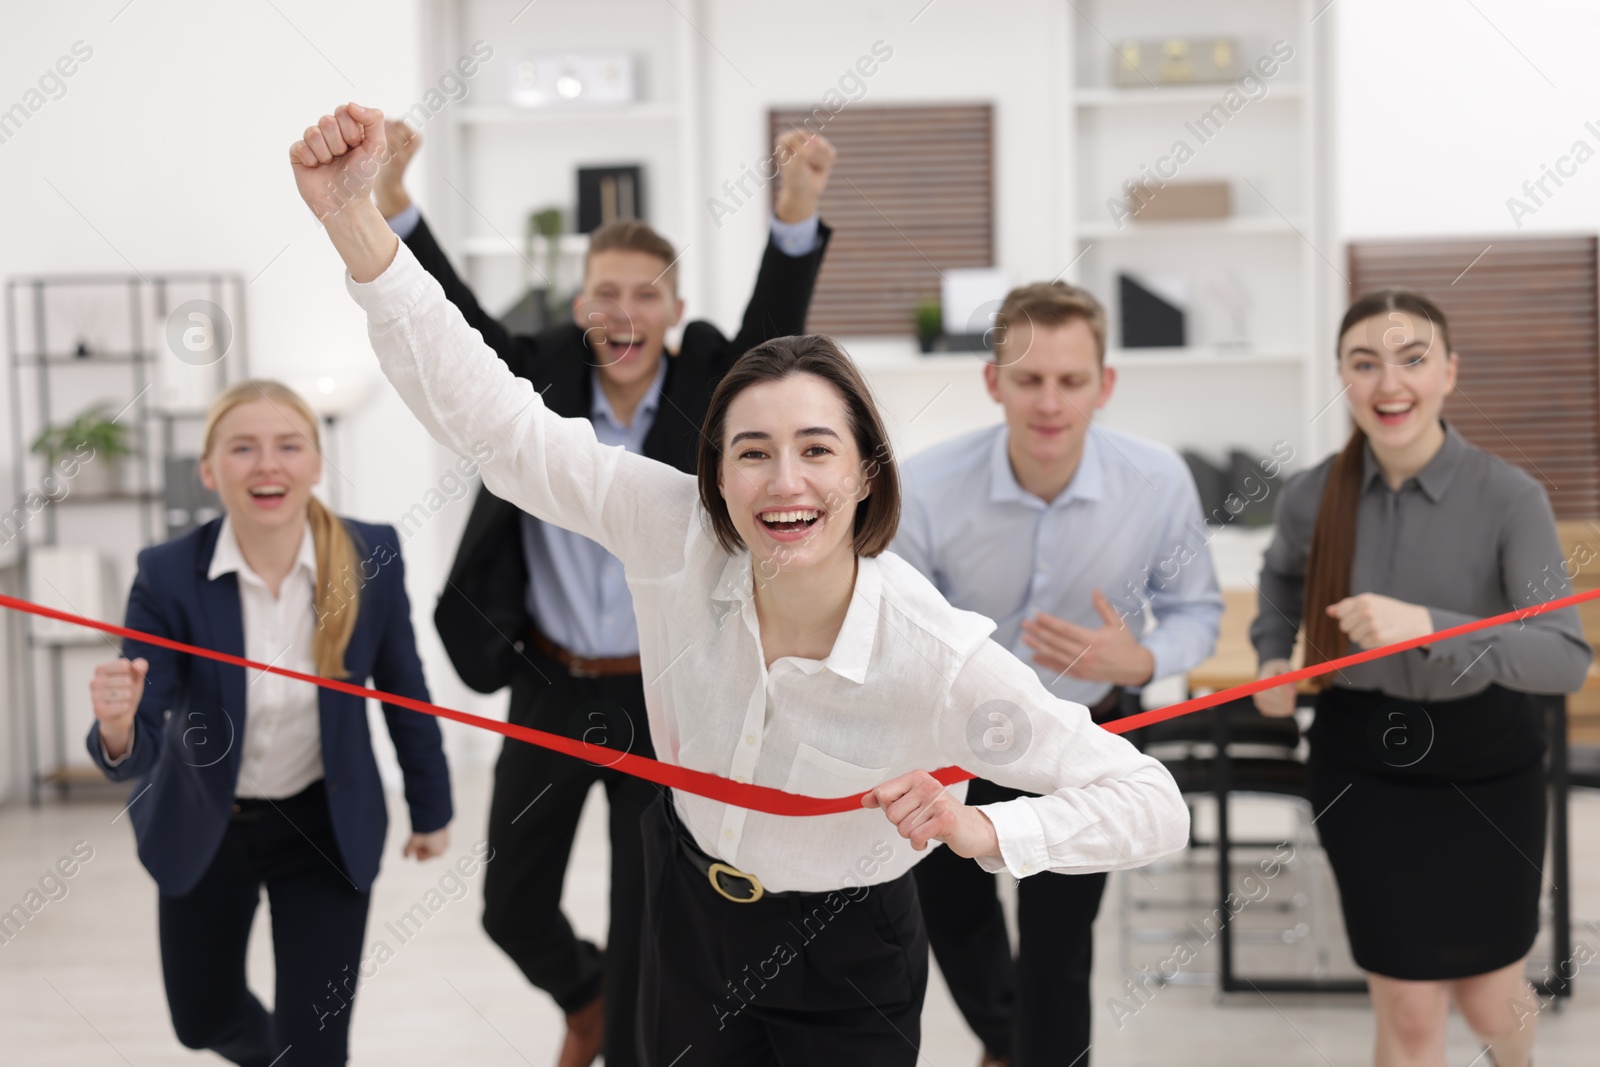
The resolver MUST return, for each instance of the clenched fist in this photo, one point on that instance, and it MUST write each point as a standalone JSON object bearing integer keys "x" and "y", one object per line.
{"x": 390, "y": 189}
{"x": 336, "y": 165}
{"x": 338, "y": 159}
{"x": 804, "y": 162}
{"x": 116, "y": 689}
{"x": 1277, "y": 702}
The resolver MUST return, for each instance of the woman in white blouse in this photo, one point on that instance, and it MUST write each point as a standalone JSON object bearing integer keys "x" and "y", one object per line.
{"x": 781, "y": 646}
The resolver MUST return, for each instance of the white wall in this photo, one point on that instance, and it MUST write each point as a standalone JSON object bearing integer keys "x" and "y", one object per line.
{"x": 1444, "y": 111}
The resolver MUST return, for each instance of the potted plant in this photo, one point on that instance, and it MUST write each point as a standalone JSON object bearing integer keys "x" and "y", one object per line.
{"x": 929, "y": 320}
{"x": 88, "y": 451}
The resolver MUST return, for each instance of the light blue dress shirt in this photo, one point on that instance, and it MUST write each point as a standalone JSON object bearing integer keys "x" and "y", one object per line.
{"x": 1128, "y": 524}
{"x": 576, "y": 589}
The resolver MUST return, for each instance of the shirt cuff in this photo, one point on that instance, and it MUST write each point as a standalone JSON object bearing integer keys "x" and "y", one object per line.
{"x": 405, "y": 222}
{"x": 1453, "y": 649}
{"x": 389, "y": 296}
{"x": 1023, "y": 849}
{"x": 133, "y": 737}
{"x": 794, "y": 238}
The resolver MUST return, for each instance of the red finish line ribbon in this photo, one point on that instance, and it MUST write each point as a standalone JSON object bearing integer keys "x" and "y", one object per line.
{"x": 759, "y": 797}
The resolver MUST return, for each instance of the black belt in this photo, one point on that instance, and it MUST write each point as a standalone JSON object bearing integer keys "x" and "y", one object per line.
{"x": 254, "y": 809}
{"x": 729, "y": 882}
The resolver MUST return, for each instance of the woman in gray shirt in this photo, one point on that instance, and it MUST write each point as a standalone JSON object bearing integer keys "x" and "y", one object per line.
{"x": 1427, "y": 766}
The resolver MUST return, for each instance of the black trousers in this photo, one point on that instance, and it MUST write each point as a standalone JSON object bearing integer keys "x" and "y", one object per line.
{"x": 1034, "y": 1009}
{"x": 533, "y": 816}
{"x": 791, "y": 980}
{"x": 319, "y": 922}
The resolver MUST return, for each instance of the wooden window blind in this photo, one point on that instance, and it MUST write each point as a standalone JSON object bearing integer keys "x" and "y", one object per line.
{"x": 912, "y": 195}
{"x": 1523, "y": 315}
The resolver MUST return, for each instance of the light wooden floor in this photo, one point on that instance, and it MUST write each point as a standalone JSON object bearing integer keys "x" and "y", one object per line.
{"x": 81, "y": 983}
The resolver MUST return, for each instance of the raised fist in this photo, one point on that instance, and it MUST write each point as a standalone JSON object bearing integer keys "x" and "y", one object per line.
{"x": 338, "y": 160}
{"x": 390, "y": 190}
{"x": 804, "y": 162}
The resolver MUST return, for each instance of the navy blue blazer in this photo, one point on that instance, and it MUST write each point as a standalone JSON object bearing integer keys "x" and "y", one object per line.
{"x": 190, "y": 723}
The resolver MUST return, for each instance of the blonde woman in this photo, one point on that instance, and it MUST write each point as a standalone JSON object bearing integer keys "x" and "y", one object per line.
{"x": 253, "y": 780}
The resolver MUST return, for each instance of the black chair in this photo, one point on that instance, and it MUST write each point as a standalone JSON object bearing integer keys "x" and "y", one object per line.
{"x": 1231, "y": 749}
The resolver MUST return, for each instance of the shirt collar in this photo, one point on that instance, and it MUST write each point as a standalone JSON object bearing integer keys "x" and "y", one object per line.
{"x": 852, "y": 649}
{"x": 1432, "y": 479}
{"x": 228, "y": 558}
{"x": 1088, "y": 481}
{"x": 600, "y": 405}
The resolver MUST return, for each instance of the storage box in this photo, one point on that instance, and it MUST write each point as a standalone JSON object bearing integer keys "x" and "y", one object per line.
{"x": 1181, "y": 200}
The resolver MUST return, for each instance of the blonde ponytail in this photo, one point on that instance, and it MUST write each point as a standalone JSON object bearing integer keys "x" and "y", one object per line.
{"x": 338, "y": 585}
{"x": 336, "y": 606}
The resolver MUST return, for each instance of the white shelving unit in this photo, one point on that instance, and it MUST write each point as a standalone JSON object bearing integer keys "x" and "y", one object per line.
{"x": 1216, "y": 394}
{"x": 492, "y": 163}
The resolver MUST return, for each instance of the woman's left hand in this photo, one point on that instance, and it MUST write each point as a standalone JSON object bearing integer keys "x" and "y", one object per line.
{"x": 923, "y": 810}
{"x": 1371, "y": 620}
{"x": 427, "y": 846}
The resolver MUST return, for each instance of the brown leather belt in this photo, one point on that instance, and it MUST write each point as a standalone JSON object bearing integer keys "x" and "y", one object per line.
{"x": 1109, "y": 707}
{"x": 583, "y": 666}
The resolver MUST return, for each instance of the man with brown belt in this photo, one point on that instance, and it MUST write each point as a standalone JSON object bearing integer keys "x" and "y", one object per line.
{"x": 549, "y": 612}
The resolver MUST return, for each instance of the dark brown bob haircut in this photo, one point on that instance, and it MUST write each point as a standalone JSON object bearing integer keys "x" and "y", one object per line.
{"x": 878, "y": 515}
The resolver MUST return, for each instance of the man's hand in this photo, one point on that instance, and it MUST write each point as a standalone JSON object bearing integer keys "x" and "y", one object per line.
{"x": 1371, "y": 620}
{"x": 335, "y": 166}
{"x": 390, "y": 189}
{"x": 804, "y": 162}
{"x": 922, "y": 810}
{"x": 1108, "y": 654}
{"x": 427, "y": 846}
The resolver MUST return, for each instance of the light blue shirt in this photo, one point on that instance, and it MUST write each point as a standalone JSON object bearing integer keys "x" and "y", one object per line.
{"x": 576, "y": 589}
{"x": 1128, "y": 524}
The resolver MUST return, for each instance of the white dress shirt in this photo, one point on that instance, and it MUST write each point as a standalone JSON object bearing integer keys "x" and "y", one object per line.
{"x": 1128, "y": 524}
{"x": 911, "y": 683}
{"x": 282, "y": 748}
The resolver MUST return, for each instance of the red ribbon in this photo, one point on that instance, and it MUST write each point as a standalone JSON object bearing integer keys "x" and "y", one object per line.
{"x": 760, "y": 797}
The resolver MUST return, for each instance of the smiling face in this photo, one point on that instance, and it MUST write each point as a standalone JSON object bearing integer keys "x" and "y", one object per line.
{"x": 1397, "y": 370}
{"x": 791, "y": 472}
{"x": 1050, "y": 381}
{"x": 262, "y": 463}
{"x": 625, "y": 310}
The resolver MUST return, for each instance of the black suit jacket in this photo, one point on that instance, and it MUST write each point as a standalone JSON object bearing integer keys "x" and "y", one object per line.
{"x": 482, "y": 616}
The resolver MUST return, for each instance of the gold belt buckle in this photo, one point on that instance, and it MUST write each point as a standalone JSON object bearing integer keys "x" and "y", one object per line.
{"x": 722, "y": 868}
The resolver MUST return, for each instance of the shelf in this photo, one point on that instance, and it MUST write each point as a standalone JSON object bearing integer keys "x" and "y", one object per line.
{"x": 1200, "y": 358}
{"x": 503, "y": 114}
{"x": 1240, "y": 225}
{"x": 108, "y": 498}
{"x": 1099, "y": 96}
{"x": 901, "y": 353}
{"x": 72, "y": 359}
{"x": 572, "y": 244}
{"x": 82, "y": 637}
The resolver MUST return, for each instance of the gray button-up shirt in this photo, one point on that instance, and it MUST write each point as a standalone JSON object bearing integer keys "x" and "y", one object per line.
{"x": 1470, "y": 536}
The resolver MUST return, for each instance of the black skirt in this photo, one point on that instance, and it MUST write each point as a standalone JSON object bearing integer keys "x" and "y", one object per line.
{"x": 1433, "y": 819}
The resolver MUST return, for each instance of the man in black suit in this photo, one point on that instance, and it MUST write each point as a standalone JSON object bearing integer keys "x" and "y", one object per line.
{"x": 548, "y": 613}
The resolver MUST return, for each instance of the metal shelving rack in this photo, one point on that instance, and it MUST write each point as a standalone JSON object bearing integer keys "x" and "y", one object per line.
{"x": 155, "y": 430}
